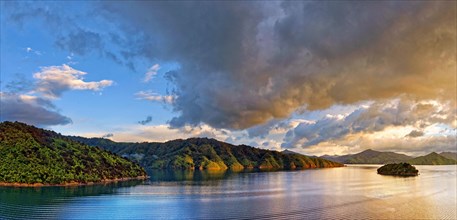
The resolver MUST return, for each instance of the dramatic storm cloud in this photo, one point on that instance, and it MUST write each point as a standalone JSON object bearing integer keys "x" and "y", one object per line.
{"x": 245, "y": 63}
{"x": 308, "y": 75}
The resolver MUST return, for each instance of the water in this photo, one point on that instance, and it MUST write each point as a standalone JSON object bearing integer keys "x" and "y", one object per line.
{"x": 353, "y": 192}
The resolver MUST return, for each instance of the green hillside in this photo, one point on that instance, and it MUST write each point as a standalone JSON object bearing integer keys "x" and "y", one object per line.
{"x": 432, "y": 159}
{"x": 449, "y": 155}
{"x": 30, "y": 155}
{"x": 206, "y": 154}
{"x": 370, "y": 157}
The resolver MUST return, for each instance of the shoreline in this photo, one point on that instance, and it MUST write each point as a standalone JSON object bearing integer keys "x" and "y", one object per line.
{"x": 105, "y": 181}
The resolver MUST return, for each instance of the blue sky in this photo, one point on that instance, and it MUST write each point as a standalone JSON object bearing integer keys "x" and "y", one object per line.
{"x": 29, "y": 46}
{"x": 318, "y": 78}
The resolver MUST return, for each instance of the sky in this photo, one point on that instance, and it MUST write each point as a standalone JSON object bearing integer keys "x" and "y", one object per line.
{"x": 330, "y": 77}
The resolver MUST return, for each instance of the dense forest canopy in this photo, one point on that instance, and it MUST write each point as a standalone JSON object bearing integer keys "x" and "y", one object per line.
{"x": 32, "y": 155}
{"x": 204, "y": 153}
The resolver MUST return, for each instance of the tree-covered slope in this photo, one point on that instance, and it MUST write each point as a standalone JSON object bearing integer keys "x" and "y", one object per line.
{"x": 210, "y": 154}
{"x": 432, "y": 159}
{"x": 31, "y": 155}
{"x": 449, "y": 155}
{"x": 376, "y": 157}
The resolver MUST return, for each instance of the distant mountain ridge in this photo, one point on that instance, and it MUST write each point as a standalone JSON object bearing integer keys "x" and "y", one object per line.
{"x": 377, "y": 157}
{"x": 370, "y": 157}
{"x": 449, "y": 155}
{"x": 286, "y": 151}
{"x": 432, "y": 159}
{"x": 208, "y": 154}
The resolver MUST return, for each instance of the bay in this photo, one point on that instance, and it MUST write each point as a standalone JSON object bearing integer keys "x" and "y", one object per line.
{"x": 352, "y": 192}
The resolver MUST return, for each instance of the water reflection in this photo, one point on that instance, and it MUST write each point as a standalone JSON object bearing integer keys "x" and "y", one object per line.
{"x": 353, "y": 192}
{"x": 188, "y": 175}
{"x": 45, "y": 202}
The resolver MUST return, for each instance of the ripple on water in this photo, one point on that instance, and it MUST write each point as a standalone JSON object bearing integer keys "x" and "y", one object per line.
{"x": 344, "y": 193}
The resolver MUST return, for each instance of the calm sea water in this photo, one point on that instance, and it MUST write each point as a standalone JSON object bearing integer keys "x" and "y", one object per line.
{"x": 353, "y": 192}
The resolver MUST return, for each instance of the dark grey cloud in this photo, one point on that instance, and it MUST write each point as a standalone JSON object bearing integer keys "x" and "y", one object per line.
{"x": 415, "y": 133}
{"x": 30, "y": 110}
{"x": 264, "y": 129}
{"x": 245, "y": 63}
{"x": 82, "y": 42}
{"x": 68, "y": 27}
{"x": 108, "y": 135}
{"x": 146, "y": 121}
{"x": 21, "y": 12}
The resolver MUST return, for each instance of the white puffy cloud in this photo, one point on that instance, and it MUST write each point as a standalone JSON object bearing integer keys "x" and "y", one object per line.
{"x": 52, "y": 81}
{"x": 32, "y": 102}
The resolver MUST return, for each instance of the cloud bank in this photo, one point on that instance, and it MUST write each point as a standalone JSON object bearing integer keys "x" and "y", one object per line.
{"x": 256, "y": 65}
{"x": 403, "y": 114}
{"x": 245, "y": 63}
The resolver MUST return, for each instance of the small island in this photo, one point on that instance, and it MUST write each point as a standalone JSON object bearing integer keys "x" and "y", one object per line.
{"x": 398, "y": 169}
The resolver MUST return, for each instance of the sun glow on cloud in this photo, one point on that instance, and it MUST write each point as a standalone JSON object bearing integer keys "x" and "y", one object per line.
{"x": 151, "y": 96}
{"x": 35, "y": 106}
{"x": 53, "y": 80}
{"x": 152, "y": 71}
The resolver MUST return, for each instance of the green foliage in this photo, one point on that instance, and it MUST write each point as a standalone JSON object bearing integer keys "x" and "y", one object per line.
{"x": 370, "y": 157}
{"x": 432, "y": 159}
{"x": 398, "y": 169}
{"x": 207, "y": 154}
{"x": 32, "y": 155}
{"x": 449, "y": 155}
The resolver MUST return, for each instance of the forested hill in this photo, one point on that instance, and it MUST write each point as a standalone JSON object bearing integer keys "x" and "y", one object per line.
{"x": 29, "y": 155}
{"x": 370, "y": 157}
{"x": 432, "y": 159}
{"x": 204, "y": 153}
{"x": 378, "y": 157}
